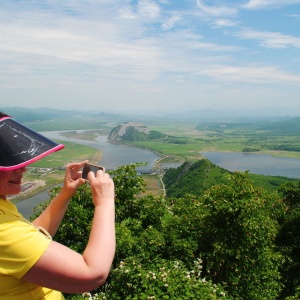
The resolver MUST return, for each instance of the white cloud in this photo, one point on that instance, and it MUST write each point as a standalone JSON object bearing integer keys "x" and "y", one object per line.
{"x": 148, "y": 9}
{"x": 121, "y": 51}
{"x": 258, "y": 4}
{"x": 295, "y": 16}
{"x": 216, "y": 11}
{"x": 251, "y": 74}
{"x": 170, "y": 23}
{"x": 274, "y": 40}
{"x": 224, "y": 23}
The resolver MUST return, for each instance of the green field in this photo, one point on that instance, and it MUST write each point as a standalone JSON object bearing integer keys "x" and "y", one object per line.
{"x": 190, "y": 139}
{"x": 185, "y": 139}
{"x": 71, "y": 153}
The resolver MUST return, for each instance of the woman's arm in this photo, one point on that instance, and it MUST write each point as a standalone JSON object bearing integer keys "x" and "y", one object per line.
{"x": 51, "y": 218}
{"x": 62, "y": 269}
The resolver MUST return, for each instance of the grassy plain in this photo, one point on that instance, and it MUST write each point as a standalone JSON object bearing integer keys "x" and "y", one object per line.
{"x": 212, "y": 137}
{"x": 72, "y": 152}
{"x": 193, "y": 137}
{"x": 188, "y": 140}
{"x": 153, "y": 185}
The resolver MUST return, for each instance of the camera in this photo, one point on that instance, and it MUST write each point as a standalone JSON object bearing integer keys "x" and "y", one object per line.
{"x": 90, "y": 168}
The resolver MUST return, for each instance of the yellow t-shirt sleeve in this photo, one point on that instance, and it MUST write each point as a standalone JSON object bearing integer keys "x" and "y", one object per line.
{"x": 21, "y": 246}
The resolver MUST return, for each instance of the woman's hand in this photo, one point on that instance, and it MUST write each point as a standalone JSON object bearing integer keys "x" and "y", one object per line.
{"x": 73, "y": 178}
{"x": 102, "y": 187}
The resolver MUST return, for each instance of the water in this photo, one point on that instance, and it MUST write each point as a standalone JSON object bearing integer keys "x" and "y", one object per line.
{"x": 26, "y": 206}
{"x": 256, "y": 163}
{"x": 113, "y": 156}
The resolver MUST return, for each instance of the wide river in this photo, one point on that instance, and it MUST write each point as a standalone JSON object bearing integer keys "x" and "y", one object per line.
{"x": 256, "y": 163}
{"x": 115, "y": 155}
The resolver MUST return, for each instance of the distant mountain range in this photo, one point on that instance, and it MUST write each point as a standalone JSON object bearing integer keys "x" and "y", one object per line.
{"x": 23, "y": 114}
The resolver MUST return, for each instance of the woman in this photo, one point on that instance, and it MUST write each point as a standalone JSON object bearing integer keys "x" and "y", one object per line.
{"x": 32, "y": 265}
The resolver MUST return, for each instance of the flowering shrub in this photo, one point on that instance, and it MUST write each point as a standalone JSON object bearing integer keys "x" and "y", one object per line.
{"x": 161, "y": 280}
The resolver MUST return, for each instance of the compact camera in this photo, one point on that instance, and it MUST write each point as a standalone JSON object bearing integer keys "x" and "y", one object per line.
{"x": 90, "y": 168}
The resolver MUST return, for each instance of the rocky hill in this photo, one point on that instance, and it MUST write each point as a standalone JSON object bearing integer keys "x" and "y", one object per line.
{"x": 133, "y": 132}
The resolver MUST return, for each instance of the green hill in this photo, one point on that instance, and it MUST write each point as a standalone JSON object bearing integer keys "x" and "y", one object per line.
{"x": 195, "y": 178}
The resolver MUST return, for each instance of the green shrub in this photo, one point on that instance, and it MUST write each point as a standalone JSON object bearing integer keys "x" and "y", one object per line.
{"x": 160, "y": 279}
{"x": 233, "y": 227}
{"x": 238, "y": 245}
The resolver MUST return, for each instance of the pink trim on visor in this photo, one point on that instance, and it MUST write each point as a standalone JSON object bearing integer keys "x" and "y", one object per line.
{"x": 28, "y": 162}
{"x": 21, "y": 146}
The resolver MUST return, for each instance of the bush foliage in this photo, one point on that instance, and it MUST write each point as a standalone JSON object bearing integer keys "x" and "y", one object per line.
{"x": 234, "y": 241}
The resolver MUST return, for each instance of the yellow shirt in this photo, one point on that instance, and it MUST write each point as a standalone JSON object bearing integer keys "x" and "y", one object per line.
{"x": 21, "y": 245}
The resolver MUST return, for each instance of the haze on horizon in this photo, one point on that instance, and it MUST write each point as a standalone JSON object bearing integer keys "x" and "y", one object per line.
{"x": 151, "y": 55}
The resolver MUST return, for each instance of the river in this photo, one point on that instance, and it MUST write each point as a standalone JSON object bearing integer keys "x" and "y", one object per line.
{"x": 256, "y": 163}
{"x": 115, "y": 155}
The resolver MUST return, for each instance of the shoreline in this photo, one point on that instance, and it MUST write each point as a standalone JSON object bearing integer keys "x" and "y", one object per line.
{"x": 35, "y": 186}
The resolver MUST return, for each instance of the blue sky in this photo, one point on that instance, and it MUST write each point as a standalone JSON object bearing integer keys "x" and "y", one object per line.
{"x": 150, "y": 55}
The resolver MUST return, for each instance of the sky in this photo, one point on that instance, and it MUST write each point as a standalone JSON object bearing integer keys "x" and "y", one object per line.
{"x": 151, "y": 55}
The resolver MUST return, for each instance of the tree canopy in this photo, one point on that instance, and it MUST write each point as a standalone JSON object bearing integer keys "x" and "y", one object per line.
{"x": 234, "y": 241}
